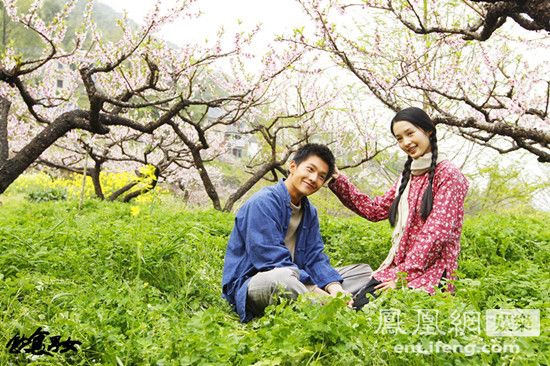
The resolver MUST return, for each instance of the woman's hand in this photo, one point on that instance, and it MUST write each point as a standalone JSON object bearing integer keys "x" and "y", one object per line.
{"x": 336, "y": 173}
{"x": 386, "y": 285}
{"x": 333, "y": 177}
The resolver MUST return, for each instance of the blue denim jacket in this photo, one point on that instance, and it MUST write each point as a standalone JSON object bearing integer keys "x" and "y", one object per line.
{"x": 257, "y": 244}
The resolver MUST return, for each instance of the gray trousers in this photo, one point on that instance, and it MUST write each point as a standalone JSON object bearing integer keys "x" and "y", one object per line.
{"x": 286, "y": 282}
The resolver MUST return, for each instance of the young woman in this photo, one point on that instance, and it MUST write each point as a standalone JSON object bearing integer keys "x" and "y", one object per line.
{"x": 425, "y": 207}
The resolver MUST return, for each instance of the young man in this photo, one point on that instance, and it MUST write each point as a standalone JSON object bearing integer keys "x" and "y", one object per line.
{"x": 276, "y": 243}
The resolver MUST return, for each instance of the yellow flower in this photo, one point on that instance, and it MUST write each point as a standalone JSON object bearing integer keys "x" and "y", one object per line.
{"x": 134, "y": 210}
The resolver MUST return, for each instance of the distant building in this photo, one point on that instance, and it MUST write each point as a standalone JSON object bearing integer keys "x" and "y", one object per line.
{"x": 237, "y": 144}
{"x": 236, "y": 141}
{"x": 61, "y": 76}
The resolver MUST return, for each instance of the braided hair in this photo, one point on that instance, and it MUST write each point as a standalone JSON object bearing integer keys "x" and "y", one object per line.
{"x": 419, "y": 118}
{"x": 405, "y": 176}
{"x": 427, "y": 199}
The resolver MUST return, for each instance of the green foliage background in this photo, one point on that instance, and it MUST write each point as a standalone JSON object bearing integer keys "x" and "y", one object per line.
{"x": 143, "y": 288}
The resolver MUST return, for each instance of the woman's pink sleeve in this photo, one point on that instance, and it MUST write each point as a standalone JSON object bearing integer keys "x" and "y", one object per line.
{"x": 372, "y": 209}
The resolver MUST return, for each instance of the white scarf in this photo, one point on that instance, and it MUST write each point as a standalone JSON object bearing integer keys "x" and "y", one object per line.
{"x": 418, "y": 167}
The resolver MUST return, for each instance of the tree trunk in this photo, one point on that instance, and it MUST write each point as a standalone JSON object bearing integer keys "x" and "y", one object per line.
{"x": 206, "y": 181}
{"x": 4, "y": 145}
{"x": 235, "y": 196}
{"x": 95, "y": 173}
{"x": 12, "y": 168}
{"x": 134, "y": 194}
{"x": 121, "y": 191}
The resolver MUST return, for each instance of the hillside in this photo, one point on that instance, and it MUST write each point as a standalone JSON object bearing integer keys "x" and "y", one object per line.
{"x": 29, "y": 43}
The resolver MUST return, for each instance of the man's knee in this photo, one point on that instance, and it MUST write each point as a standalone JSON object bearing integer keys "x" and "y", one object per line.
{"x": 285, "y": 278}
{"x": 264, "y": 285}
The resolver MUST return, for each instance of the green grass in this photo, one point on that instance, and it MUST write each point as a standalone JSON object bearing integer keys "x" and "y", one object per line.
{"x": 145, "y": 289}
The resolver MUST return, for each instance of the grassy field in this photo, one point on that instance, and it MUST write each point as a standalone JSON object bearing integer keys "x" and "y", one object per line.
{"x": 140, "y": 285}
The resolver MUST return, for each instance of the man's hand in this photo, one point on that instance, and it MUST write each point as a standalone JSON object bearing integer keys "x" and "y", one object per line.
{"x": 386, "y": 285}
{"x": 319, "y": 291}
{"x": 336, "y": 288}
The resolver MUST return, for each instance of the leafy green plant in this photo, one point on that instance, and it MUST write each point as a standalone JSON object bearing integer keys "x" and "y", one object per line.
{"x": 145, "y": 289}
{"x": 47, "y": 194}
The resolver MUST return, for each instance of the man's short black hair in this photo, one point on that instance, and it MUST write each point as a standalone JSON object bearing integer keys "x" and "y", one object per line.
{"x": 322, "y": 151}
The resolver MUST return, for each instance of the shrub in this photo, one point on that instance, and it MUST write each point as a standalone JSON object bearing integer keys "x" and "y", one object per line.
{"x": 47, "y": 194}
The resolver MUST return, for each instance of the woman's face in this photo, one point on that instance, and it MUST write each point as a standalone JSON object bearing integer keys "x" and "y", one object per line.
{"x": 411, "y": 139}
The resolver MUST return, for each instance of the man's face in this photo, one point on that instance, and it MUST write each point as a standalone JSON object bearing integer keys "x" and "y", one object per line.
{"x": 307, "y": 177}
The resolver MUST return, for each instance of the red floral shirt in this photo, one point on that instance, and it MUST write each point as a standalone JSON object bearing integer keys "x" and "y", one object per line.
{"x": 427, "y": 248}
